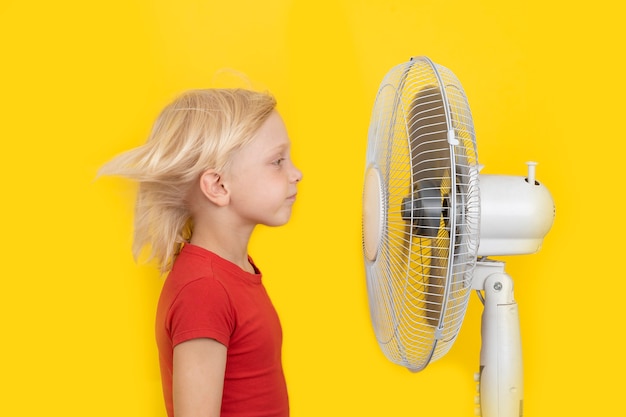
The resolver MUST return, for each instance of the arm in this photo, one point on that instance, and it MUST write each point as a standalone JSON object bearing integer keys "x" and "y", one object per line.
{"x": 198, "y": 379}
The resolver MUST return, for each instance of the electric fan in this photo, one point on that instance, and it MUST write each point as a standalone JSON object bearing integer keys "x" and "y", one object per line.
{"x": 430, "y": 220}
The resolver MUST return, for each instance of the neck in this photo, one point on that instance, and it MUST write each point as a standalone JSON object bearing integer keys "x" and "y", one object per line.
{"x": 229, "y": 244}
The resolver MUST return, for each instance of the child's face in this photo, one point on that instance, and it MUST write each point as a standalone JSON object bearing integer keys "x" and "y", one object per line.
{"x": 262, "y": 179}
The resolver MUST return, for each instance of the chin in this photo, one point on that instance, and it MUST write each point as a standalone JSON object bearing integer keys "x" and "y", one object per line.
{"x": 279, "y": 221}
{"x": 279, "y": 218}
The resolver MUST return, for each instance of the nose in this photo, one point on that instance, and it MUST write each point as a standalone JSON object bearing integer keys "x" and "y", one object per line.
{"x": 297, "y": 174}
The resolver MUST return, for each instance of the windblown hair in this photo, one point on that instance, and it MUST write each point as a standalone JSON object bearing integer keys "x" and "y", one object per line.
{"x": 199, "y": 130}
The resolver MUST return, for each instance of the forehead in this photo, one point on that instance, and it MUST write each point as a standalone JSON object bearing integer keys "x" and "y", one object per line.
{"x": 271, "y": 135}
{"x": 269, "y": 141}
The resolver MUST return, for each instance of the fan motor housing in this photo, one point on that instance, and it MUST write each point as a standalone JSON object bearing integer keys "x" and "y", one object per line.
{"x": 423, "y": 212}
{"x": 516, "y": 214}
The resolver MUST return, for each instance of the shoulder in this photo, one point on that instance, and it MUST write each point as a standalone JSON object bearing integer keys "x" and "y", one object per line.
{"x": 203, "y": 290}
{"x": 192, "y": 271}
{"x": 196, "y": 291}
{"x": 197, "y": 308}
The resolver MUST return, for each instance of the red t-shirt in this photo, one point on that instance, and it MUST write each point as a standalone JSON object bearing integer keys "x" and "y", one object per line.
{"x": 205, "y": 296}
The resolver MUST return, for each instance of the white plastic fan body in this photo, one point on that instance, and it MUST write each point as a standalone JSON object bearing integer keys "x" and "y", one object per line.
{"x": 429, "y": 221}
{"x": 516, "y": 214}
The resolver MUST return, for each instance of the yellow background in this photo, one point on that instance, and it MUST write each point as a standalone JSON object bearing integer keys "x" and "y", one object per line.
{"x": 81, "y": 81}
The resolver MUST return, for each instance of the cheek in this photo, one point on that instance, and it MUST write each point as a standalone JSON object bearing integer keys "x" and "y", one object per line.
{"x": 248, "y": 189}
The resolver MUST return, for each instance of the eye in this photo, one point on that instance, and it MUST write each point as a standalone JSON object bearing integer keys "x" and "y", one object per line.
{"x": 278, "y": 162}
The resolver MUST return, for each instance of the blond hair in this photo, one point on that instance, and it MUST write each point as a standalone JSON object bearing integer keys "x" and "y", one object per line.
{"x": 199, "y": 130}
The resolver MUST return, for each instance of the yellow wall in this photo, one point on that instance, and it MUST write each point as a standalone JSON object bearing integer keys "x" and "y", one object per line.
{"x": 81, "y": 81}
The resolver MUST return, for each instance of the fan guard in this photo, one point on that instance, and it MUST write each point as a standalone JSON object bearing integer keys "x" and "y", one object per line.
{"x": 421, "y": 212}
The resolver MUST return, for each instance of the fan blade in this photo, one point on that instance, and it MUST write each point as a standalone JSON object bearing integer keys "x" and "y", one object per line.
{"x": 430, "y": 159}
{"x": 428, "y": 136}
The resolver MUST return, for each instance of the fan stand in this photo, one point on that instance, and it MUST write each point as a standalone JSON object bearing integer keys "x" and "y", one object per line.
{"x": 516, "y": 213}
{"x": 500, "y": 378}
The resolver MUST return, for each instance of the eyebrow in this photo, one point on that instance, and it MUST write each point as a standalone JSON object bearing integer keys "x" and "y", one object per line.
{"x": 281, "y": 147}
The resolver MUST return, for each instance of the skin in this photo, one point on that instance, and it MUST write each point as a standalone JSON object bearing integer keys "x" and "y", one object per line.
{"x": 259, "y": 187}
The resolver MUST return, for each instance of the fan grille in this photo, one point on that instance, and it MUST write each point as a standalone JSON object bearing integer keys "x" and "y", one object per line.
{"x": 422, "y": 152}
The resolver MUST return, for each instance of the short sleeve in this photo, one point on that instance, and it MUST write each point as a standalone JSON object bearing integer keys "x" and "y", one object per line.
{"x": 202, "y": 309}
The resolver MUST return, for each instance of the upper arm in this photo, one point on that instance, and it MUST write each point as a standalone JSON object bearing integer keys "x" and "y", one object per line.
{"x": 198, "y": 378}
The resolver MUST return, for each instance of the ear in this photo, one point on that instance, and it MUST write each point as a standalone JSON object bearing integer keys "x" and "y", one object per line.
{"x": 213, "y": 189}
